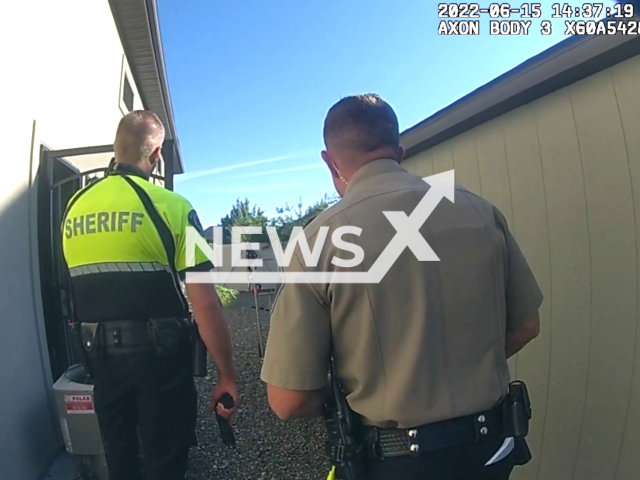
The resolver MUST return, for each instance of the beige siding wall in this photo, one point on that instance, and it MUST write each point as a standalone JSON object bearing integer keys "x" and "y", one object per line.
{"x": 565, "y": 170}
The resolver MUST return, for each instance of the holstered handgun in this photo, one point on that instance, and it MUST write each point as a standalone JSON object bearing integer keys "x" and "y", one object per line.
{"x": 345, "y": 446}
{"x": 516, "y": 417}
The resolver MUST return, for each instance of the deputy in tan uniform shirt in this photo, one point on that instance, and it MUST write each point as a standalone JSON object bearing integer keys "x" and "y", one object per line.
{"x": 430, "y": 341}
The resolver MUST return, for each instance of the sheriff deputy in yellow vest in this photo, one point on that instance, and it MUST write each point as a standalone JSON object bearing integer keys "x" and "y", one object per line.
{"x": 124, "y": 246}
{"x": 422, "y": 355}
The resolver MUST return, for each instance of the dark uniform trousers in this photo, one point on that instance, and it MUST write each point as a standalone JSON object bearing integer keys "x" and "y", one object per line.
{"x": 465, "y": 462}
{"x": 147, "y": 410}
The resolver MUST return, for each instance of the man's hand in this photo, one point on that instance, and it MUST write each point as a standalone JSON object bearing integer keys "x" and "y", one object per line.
{"x": 218, "y": 391}
{"x": 215, "y": 333}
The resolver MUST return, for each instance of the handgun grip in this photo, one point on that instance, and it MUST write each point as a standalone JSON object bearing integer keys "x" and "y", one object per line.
{"x": 226, "y": 400}
{"x": 226, "y": 431}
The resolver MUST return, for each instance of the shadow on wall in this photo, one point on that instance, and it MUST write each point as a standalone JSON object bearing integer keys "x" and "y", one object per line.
{"x": 30, "y": 439}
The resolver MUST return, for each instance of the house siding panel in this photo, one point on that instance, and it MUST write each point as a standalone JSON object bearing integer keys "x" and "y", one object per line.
{"x": 442, "y": 158}
{"x": 569, "y": 294}
{"x": 424, "y": 164}
{"x": 410, "y": 165}
{"x": 625, "y": 79}
{"x": 465, "y": 163}
{"x": 494, "y": 178}
{"x": 565, "y": 171}
{"x": 613, "y": 274}
{"x": 529, "y": 224}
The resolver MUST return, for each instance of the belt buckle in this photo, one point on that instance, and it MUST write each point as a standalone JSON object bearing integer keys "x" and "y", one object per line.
{"x": 413, "y": 442}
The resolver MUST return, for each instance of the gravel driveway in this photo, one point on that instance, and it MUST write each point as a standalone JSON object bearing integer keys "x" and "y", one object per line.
{"x": 267, "y": 448}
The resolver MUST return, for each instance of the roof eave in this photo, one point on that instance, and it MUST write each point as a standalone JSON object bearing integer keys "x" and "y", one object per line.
{"x": 139, "y": 30}
{"x": 559, "y": 66}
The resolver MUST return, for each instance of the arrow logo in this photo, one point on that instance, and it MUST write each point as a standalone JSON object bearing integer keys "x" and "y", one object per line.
{"x": 407, "y": 235}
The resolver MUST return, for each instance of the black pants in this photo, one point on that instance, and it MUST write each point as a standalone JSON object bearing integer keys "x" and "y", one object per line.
{"x": 147, "y": 409}
{"x": 459, "y": 463}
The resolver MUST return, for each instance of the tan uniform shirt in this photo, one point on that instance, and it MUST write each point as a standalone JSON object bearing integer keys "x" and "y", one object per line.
{"x": 428, "y": 342}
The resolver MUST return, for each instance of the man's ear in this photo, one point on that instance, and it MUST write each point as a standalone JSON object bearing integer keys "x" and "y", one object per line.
{"x": 401, "y": 154}
{"x": 327, "y": 159}
{"x": 155, "y": 156}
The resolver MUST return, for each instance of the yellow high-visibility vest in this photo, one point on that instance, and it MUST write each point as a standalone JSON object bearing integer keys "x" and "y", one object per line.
{"x": 124, "y": 243}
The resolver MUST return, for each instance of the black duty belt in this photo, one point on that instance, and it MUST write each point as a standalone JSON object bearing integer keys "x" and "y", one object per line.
{"x": 123, "y": 337}
{"x": 436, "y": 436}
{"x": 127, "y": 335}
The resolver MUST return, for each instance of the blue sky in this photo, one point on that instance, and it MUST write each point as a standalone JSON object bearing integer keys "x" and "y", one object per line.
{"x": 251, "y": 82}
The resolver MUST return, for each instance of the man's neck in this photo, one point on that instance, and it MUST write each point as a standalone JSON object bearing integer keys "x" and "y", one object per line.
{"x": 367, "y": 161}
{"x": 132, "y": 170}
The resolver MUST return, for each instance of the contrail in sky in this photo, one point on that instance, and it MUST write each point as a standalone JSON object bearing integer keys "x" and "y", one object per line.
{"x": 212, "y": 171}
{"x": 253, "y": 188}
{"x": 281, "y": 170}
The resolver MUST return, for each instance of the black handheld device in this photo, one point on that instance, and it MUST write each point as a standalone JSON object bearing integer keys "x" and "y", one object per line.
{"x": 345, "y": 446}
{"x": 226, "y": 431}
{"x": 517, "y": 414}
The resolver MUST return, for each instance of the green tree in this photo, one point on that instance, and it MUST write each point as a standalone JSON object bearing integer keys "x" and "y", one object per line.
{"x": 290, "y": 216}
{"x": 243, "y": 215}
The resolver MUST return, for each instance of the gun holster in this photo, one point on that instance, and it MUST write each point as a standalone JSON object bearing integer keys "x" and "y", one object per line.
{"x": 198, "y": 350}
{"x": 89, "y": 335}
{"x": 346, "y": 446}
{"x": 78, "y": 346}
{"x": 516, "y": 417}
{"x": 170, "y": 336}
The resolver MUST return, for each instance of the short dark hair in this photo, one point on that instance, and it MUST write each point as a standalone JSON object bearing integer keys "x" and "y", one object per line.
{"x": 362, "y": 123}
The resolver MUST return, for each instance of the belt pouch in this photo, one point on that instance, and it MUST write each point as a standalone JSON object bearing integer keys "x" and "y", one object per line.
{"x": 521, "y": 452}
{"x": 517, "y": 411}
{"x": 91, "y": 340}
{"x": 169, "y": 336}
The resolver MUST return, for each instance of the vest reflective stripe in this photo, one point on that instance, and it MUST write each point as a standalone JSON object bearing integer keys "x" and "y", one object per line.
{"x": 119, "y": 267}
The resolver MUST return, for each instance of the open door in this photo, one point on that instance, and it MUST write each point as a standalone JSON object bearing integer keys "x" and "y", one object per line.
{"x": 58, "y": 181}
{"x": 62, "y": 173}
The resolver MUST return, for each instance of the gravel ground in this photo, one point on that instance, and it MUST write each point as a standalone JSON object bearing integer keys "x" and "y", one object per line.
{"x": 266, "y": 448}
